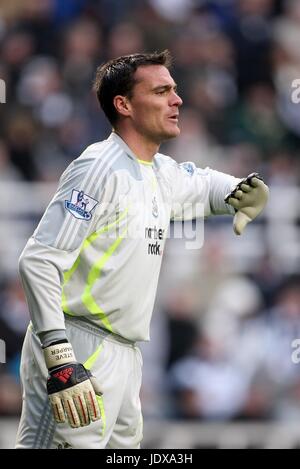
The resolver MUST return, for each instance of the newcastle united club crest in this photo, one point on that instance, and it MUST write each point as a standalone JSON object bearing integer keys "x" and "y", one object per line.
{"x": 154, "y": 207}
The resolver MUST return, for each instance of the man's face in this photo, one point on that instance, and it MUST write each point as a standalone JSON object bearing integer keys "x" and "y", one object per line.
{"x": 155, "y": 104}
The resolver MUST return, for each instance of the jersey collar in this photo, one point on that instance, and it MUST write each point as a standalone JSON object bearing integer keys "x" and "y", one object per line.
{"x": 116, "y": 138}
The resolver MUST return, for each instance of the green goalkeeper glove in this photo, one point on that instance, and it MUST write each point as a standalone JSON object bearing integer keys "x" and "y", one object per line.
{"x": 248, "y": 198}
{"x": 71, "y": 387}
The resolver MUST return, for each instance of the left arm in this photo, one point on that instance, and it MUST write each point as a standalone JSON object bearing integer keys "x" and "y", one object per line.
{"x": 197, "y": 192}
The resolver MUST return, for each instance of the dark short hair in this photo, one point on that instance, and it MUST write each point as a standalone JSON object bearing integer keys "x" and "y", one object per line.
{"x": 116, "y": 77}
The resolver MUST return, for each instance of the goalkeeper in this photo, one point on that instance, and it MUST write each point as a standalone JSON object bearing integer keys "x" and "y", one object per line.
{"x": 90, "y": 271}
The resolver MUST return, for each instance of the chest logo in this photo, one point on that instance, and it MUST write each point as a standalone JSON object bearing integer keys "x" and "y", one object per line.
{"x": 154, "y": 207}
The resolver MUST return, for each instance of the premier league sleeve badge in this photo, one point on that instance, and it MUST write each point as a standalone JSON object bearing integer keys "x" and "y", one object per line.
{"x": 81, "y": 205}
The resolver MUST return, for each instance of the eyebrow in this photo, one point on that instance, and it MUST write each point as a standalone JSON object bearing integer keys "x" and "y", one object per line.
{"x": 165, "y": 87}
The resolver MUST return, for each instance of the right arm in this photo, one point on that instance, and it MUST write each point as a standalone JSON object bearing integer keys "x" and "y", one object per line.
{"x": 41, "y": 269}
{"x": 52, "y": 250}
{"x": 56, "y": 243}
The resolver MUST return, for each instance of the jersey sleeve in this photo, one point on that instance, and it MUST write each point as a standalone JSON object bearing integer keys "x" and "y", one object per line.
{"x": 79, "y": 205}
{"x": 199, "y": 192}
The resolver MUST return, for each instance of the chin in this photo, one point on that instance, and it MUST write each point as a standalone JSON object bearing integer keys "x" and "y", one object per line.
{"x": 166, "y": 134}
{"x": 175, "y": 133}
{"x": 172, "y": 133}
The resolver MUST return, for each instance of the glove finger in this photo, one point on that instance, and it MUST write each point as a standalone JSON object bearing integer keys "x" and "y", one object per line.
{"x": 234, "y": 202}
{"x": 72, "y": 413}
{"x": 82, "y": 410}
{"x": 228, "y": 196}
{"x": 255, "y": 182}
{"x": 238, "y": 194}
{"x": 253, "y": 179}
{"x": 246, "y": 188}
{"x": 239, "y": 222}
{"x": 57, "y": 409}
{"x": 253, "y": 175}
{"x": 92, "y": 405}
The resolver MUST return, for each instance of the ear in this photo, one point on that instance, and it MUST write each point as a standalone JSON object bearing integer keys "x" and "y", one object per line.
{"x": 122, "y": 105}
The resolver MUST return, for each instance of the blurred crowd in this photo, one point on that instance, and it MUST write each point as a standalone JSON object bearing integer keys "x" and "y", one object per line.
{"x": 224, "y": 323}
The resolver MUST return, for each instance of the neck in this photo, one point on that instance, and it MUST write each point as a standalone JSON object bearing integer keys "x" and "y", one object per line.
{"x": 144, "y": 148}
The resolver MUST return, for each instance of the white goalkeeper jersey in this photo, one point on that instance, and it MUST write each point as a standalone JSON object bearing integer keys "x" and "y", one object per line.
{"x": 97, "y": 251}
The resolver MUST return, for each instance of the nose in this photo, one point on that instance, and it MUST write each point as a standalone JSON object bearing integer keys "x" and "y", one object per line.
{"x": 176, "y": 100}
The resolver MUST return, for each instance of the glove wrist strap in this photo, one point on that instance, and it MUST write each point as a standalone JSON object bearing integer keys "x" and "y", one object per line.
{"x": 59, "y": 354}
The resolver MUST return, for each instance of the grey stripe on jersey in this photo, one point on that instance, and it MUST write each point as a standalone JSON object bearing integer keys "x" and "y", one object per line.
{"x": 69, "y": 219}
{"x": 101, "y": 173}
{"x": 45, "y": 426}
{"x": 68, "y": 227}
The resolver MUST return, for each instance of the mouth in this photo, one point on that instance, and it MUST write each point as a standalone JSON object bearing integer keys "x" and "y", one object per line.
{"x": 174, "y": 118}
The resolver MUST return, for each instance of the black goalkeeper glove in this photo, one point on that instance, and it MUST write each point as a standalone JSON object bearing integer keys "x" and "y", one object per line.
{"x": 71, "y": 388}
